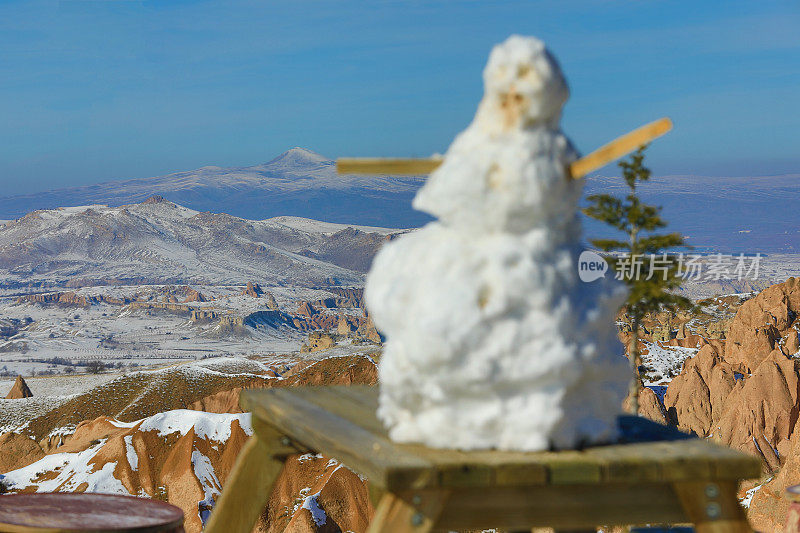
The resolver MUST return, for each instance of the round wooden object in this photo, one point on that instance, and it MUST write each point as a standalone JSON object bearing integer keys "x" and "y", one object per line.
{"x": 88, "y": 513}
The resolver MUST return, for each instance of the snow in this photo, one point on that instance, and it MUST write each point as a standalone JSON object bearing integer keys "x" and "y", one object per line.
{"x": 311, "y": 504}
{"x": 130, "y": 452}
{"x": 664, "y": 362}
{"x": 315, "y": 226}
{"x": 492, "y": 340}
{"x": 74, "y": 469}
{"x": 166, "y": 240}
{"x": 212, "y": 488}
{"x": 64, "y": 472}
{"x": 748, "y": 495}
{"x": 210, "y": 426}
{"x": 299, "y": 182}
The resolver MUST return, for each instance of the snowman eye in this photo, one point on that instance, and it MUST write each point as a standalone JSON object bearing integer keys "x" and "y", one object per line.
{"x": 483, "y": 296}
{"x": 494, "y": 177}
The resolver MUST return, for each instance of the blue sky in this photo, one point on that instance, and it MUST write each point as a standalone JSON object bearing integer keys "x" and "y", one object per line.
{"x": 111, "y": 89}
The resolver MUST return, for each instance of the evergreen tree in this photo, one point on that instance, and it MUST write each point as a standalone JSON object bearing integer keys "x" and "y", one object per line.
{"x": 643, "y": 261}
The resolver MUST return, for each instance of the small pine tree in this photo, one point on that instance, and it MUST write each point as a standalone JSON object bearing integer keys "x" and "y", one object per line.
{"x": 645, "y": 266}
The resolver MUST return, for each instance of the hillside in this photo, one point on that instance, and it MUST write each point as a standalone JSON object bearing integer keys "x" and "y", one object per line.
{"x": 174, "y": 434}
{"x": 158, "y": 241}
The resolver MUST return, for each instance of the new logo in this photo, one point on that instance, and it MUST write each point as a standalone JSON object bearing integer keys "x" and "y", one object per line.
{"x": 591, "y": 266}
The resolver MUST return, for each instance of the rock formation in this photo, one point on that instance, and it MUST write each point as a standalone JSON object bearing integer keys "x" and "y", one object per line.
{"x": 650, "y": 406}
{"x": 743, "y": 390}
{"x": 155, "y": 199}
{"x": 193, "y": 296}
{"x": 695, "y": 399}
{"x": 253, "y": 289}
{"x": 183, "y": 457}
{"x": 761, "y": 411}
{"x": 761, "y": 323}
{"x": 317, "y": 340}
{"x": 18, "y": 450}
{"x": 19, "y": 390}
{"x": 317, "y": 494}
{"x": 306, "y": 309}
{"x": 344, "y": 327}
{"x": 272, "y": 304}
{"x": 345, "y": 370}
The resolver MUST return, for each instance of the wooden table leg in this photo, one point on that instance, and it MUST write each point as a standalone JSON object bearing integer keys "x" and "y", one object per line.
{"x": 412, "y": 512}
{"x": 713, "y": 506}
{"x": 247, "y": 489}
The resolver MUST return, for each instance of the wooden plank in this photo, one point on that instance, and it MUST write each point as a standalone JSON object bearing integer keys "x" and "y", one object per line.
{"x": 456, "y": 468}
{"x": 247, "y": 489}
{"x": 620, "y": 147}
{"x": 571, "y": 467}
{"x": 408, "y": 512}
{"x": 561, "y": 506}
{"x": 628, "y": 463}
{"x": 375, "y": 457}
{"x": 580, "y": 168}
{"x": 712, "y": 506}
{"x": 389, "y": 166}
{"x": 280, "y": 446}
{"x": 668, "y": 460}
{"x": 359, "y": 404}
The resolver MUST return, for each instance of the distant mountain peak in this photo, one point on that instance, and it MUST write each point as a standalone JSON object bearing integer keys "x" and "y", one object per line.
{"x": 155, "y": 199}
{"x": 299, "y": 182}
{"x": 298, "y": 156}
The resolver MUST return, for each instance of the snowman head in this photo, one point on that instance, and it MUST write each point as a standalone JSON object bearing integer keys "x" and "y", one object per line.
{"x": 524, "y": 86}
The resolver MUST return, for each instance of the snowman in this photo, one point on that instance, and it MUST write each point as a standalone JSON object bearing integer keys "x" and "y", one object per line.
{"x": 492, "y": 340}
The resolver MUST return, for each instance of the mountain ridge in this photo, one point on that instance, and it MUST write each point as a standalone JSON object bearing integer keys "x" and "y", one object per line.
{"x": 298, "y": 182}
{"x": 146, "y": 241}
{"x": 303, "y": 183}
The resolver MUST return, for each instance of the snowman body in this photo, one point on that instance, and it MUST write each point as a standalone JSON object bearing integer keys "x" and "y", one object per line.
{"x": 492, "y": 339}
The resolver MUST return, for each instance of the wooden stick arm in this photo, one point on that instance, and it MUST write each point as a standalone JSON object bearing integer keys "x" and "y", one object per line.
{"x": 580, "y": 168}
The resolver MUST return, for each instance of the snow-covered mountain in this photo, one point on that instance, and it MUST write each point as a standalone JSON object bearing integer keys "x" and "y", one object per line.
{"x": 158, "y": 241}
{"x": 725, "y": 214}
{"x": 299, "y": 182}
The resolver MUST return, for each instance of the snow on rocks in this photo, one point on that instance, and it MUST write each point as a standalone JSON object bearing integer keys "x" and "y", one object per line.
{"x": 492, "y": 340}
{"x": 663, "y": 362}
{"x": 75, "y": 471}
{"x": 183, "y": 456}
{"x": 209, "y": 426}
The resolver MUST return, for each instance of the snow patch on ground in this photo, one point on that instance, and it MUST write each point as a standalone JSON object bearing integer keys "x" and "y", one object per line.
{"x": 748, "y": 495}
{"x": 212, "y": 488}
{"x": 663, "y": 363}
{"x": 75, "y": 469}
{"x": 317, "y": 513}
{"x": 130, "y": 452}
{"x": 210, "y": 426}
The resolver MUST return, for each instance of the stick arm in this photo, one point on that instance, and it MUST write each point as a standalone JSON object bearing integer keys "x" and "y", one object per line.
{"x": 580, "y": 168}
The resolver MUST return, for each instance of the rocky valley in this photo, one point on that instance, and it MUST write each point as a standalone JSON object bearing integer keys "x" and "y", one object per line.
{"x": 727, "y": 371}
{"x": 127, "y": 333}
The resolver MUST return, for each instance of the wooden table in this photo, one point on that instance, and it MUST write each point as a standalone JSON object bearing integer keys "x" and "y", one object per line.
{"x": 656, "y": 475}
{"x": 63, "y": 512}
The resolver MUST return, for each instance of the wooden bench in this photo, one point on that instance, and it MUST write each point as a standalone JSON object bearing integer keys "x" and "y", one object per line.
{"x": 655, "y": 475}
